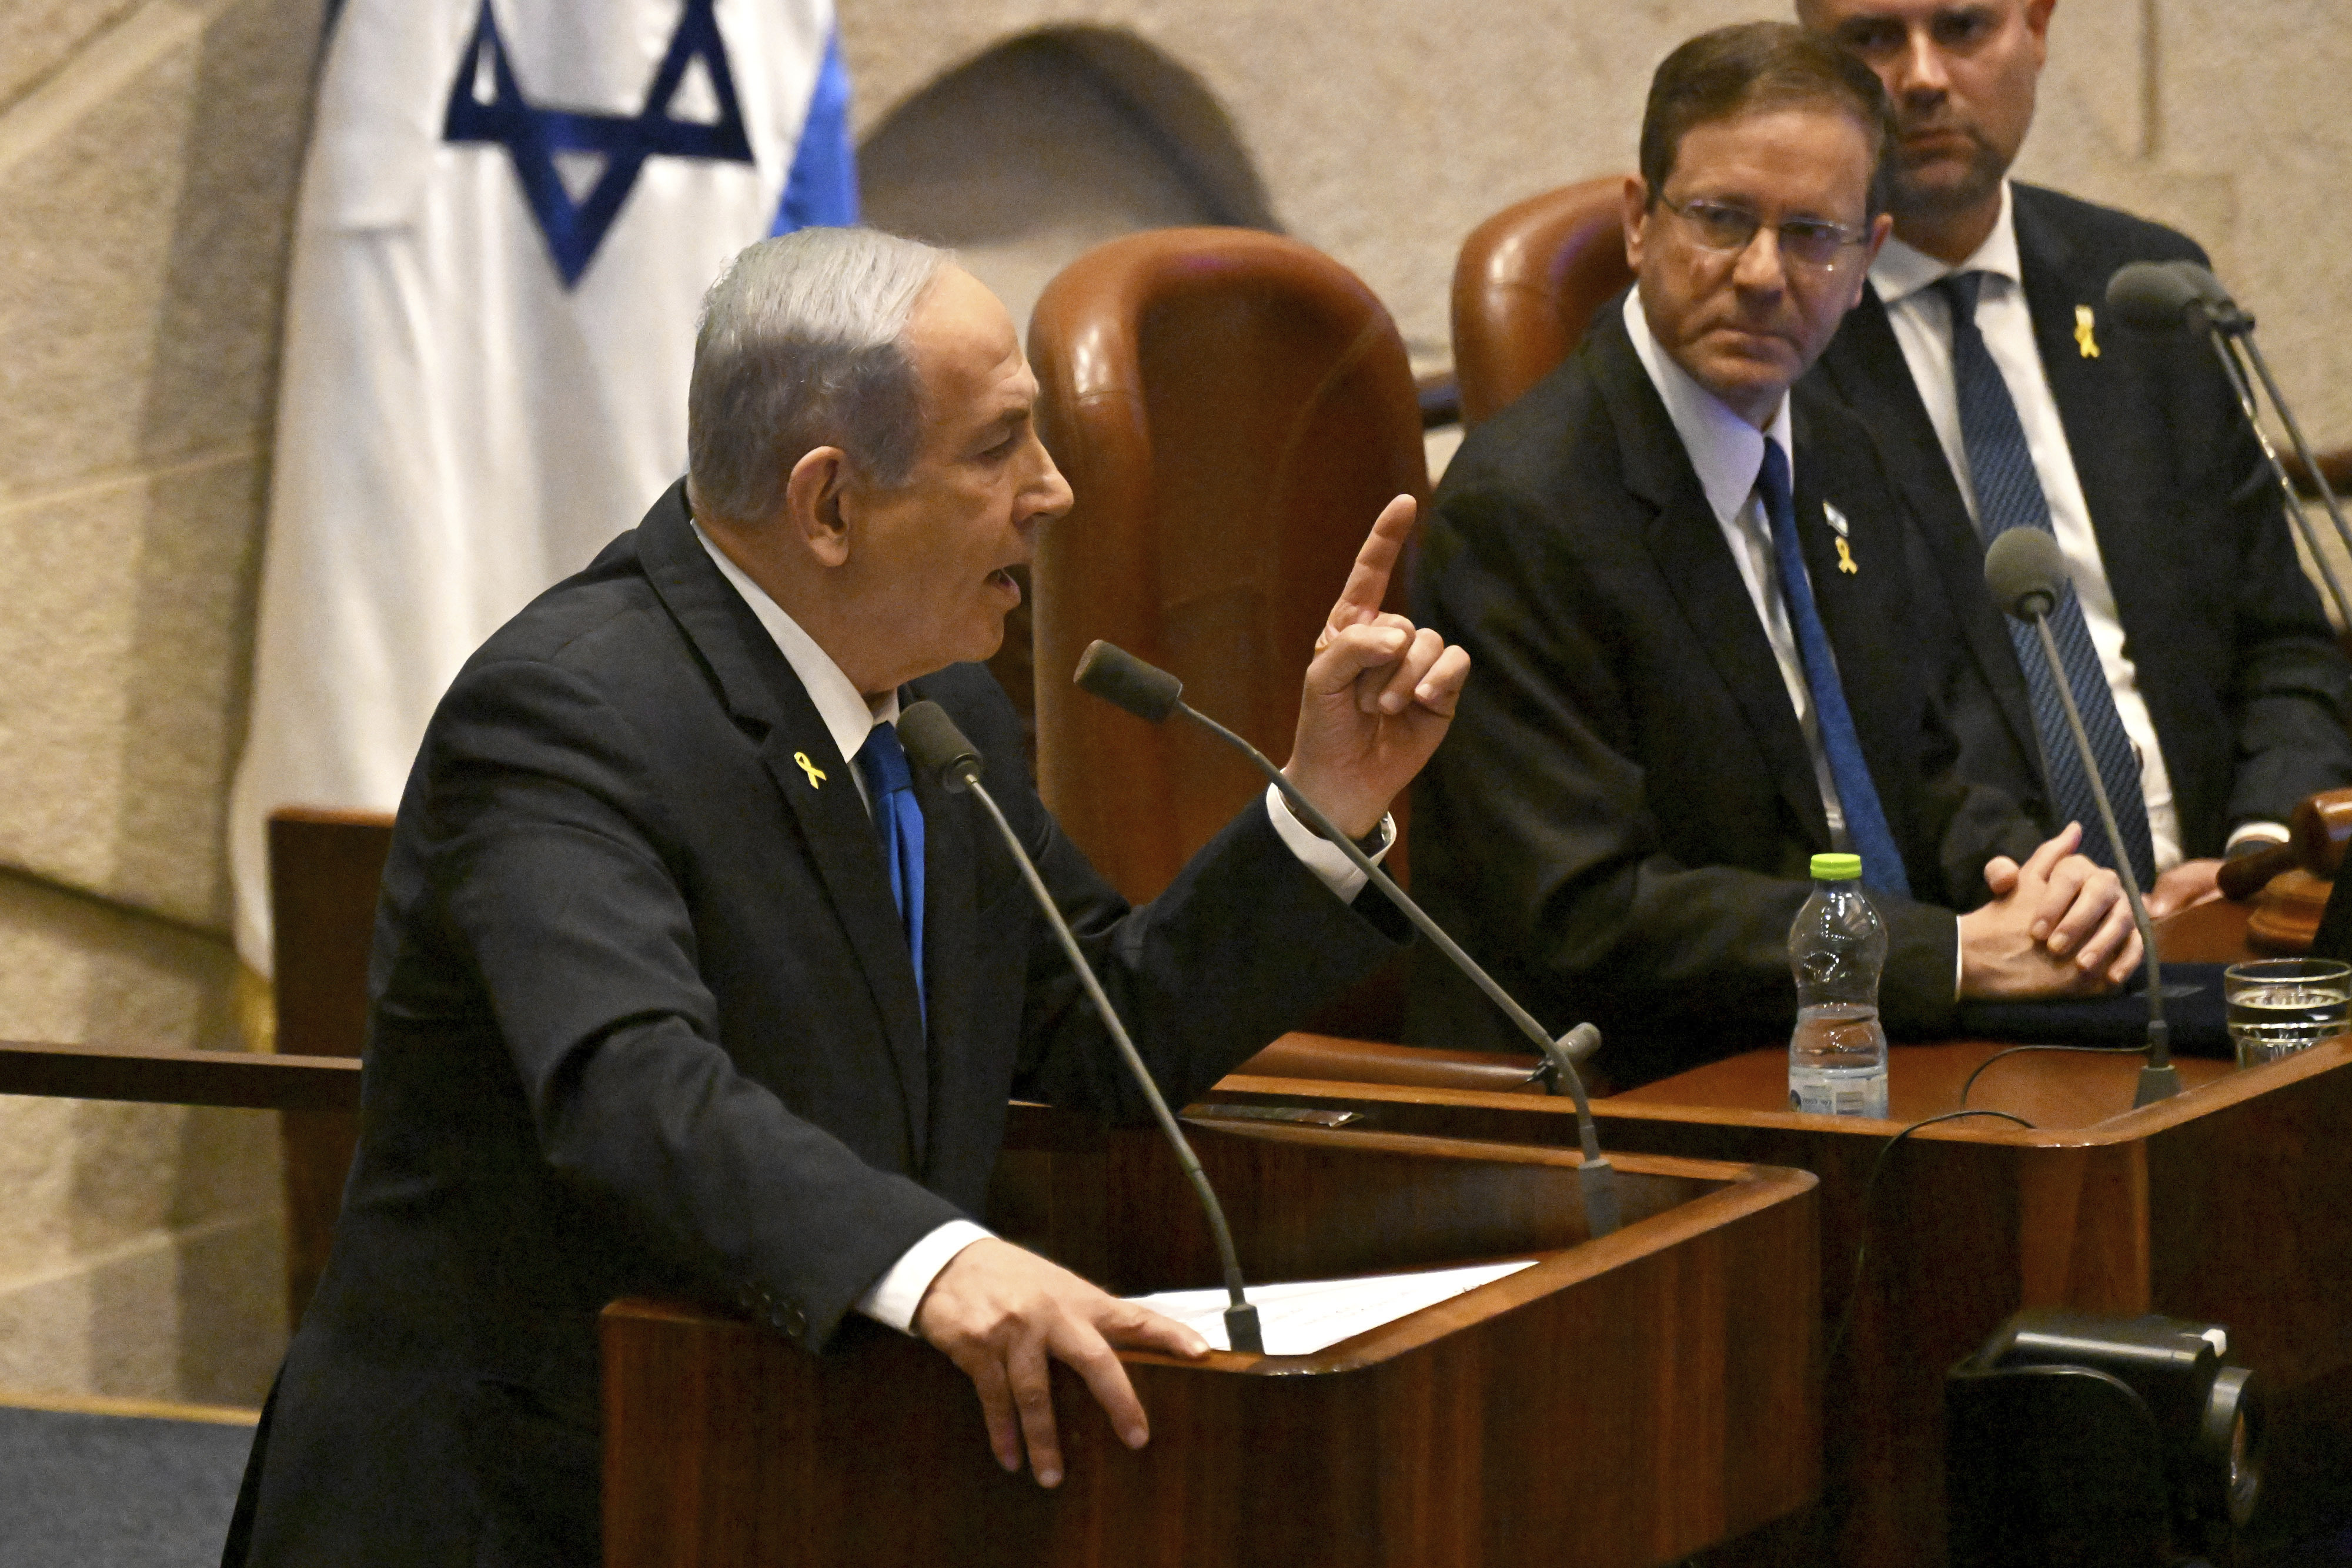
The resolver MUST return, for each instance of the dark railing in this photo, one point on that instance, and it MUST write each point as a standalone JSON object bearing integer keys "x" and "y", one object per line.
{"x": 168, "y": 1075}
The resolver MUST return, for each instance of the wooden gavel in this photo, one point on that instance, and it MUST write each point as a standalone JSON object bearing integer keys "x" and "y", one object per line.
{"x": 2315, "y": 839}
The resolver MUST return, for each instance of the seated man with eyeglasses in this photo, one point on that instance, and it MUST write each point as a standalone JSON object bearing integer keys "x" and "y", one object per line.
{"x": 1686, "y": 596}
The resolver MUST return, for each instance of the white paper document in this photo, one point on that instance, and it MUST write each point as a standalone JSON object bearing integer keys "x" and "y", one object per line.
{"x": 1308, "y": 1315}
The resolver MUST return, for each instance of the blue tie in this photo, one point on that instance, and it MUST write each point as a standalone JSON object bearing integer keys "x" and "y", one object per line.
{"x": 1866, "y": 818}
{"x": 2010, "y": 496}
{"x": 898, "y": 825}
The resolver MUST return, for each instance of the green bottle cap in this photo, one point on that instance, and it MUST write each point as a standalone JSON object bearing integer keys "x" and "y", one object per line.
{"x": 1837, "y": 868}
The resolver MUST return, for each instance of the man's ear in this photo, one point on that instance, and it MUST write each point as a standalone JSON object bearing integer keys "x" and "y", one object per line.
{"x": 813, "y": 504}
{"x": 1637, "y": 210}
{"x": 1880, "y": 227}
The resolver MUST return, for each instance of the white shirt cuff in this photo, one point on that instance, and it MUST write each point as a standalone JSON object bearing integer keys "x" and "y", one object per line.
{"x": 2266, "y": 832}
{"x": 1318, "y": 854}
{"x": 897, "y": 1294}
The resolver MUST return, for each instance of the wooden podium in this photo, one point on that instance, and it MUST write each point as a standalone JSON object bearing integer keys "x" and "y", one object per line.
{"x": 1624, "y": 1401}
{"x": 2231, "y": 1204}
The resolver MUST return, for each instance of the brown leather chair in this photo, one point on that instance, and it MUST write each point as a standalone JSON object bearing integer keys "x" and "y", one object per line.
{"x": 1233, "y": 409}
{"x": 1526, "y": 284}
{"x": 325, "y": 868}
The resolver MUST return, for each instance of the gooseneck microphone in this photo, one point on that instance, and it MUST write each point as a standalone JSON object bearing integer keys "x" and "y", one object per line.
{"x": 2025, "y": 572}
{"x": 1151, "y": 694}
{"x": 937, "y": 746}
{"x": 2166, "y": 296}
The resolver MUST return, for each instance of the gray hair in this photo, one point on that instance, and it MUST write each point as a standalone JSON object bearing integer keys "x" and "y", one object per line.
{"x": 799, "y": 346}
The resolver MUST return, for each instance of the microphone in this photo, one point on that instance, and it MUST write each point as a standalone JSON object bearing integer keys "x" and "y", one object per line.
{"x": 2222, "y": 311}
{"x": 936, "y": 746}
{"x": 1151, "y": 695}
{"x": 2152, "y": 297}
{"x": 2162, "y": 295}
{"x": 2025, "y": 573}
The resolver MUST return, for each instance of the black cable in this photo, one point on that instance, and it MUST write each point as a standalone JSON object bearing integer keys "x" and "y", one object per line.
{"x": 1862, "y": 1226}
{"x": 2012, "y": 1050}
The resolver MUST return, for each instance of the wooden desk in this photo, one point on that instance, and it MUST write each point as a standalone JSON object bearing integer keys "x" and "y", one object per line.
{"x": 2212, "y": 932}
{"x": 1622, "y": 1403}
{"x": 2231, "y": 1203}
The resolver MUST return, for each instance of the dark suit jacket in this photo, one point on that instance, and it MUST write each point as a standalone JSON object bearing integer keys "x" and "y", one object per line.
{"x": 1620, "y": 820}
{"x": 644, "y": 1021}
{"x": 2242, "y": 677}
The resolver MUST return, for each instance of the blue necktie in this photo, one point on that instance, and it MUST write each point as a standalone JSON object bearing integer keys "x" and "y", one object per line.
{"x": 898, "y": 825}
{"x": 2010, "y": 496}
{"x": 1866, "y": 818}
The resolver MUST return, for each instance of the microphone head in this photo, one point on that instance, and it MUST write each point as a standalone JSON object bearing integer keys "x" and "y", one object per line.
{"x": 1115, "y": 676}
{"x": 2025, "y": 572}
{"x": 935, "y": 746}
{"x": 2154, "y": 296}
{"x": 2207, "y": 287}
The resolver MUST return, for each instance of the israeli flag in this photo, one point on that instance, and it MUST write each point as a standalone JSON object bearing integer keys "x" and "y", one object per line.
{"x": 510, "y": 211}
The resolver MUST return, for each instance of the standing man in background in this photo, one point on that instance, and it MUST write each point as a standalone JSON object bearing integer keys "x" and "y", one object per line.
{"x": 1982, "y": 360}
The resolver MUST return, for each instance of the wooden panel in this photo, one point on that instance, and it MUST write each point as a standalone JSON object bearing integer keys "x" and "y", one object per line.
{"x": 2049, "y": 1089}
{"x": 167, "y": 1075}
{"x": 2230, "y": 1203}
{"x": 1666, "y": 1369}
{"x": 325, "y": 869}
{"x": 1304, "y": 1055}
{"x": 2212, "y": 932}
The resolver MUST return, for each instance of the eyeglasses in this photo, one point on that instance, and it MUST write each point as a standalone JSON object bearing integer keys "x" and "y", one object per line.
{"x": 1807, "y": 243}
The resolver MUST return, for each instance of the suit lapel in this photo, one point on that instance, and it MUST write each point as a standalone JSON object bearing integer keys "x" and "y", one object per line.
{"x": 811, "y": 774}
{"x": 1859, "y": 610}
{"x": 1688, "y": 545}
{"x": 2086, "y": 389}
{"x": 1865, "y": 366}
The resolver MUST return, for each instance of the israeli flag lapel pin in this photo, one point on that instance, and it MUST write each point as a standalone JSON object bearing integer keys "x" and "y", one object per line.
{"x": 1843, "y": 530}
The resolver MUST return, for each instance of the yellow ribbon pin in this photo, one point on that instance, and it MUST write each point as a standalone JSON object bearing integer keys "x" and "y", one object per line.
{"x": 2082, "y": 338}
{"x": 815, "y": 774}
{"x": 1845, "y": 561}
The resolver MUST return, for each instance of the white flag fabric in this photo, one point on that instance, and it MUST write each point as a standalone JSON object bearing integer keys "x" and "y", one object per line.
{"x": 509, "y": 213}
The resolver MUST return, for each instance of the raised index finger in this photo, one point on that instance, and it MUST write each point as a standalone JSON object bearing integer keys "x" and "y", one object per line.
{"x": 1367, "y": 580}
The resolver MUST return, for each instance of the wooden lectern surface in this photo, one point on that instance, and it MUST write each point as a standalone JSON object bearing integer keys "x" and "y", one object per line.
{"x": 2052, "y": 1090}
{"x": 1625, "y": 1401}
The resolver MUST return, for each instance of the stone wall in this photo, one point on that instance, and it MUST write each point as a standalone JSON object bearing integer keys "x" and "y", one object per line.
{"x": 148, "y": 157}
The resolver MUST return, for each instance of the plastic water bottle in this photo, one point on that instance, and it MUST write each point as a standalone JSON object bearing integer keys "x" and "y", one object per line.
{"x": 1837, "y": 1057}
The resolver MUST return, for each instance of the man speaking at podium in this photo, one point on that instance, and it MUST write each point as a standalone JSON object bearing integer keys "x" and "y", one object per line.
{"x": 682, "y": 985}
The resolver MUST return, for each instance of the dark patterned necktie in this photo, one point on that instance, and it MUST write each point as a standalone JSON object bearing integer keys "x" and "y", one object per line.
{"x": 898, "y": 828}
{"x": 1866, "y": 818}
{"x": 2010, "y": 496}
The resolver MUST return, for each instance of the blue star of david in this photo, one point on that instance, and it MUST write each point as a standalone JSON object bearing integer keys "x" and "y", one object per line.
{"x": 532, "y": 135}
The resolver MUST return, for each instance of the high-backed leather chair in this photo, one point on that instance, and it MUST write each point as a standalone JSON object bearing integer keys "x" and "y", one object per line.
{"x": 1233, "y": 409}
{"x": 1526, "y": 284}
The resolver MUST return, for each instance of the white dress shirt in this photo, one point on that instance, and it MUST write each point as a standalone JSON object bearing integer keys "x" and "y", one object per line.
{"x": 848, "y": 719}
{"x": 1728, "y": 454}
{"x": 1922, "y": 320}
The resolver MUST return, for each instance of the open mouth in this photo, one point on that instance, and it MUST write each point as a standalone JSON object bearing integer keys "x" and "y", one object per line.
{"x": 1003, "y": 581}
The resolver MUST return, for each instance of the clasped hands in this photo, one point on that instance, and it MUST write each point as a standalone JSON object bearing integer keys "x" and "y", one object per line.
{"x": 2058, "y": 926}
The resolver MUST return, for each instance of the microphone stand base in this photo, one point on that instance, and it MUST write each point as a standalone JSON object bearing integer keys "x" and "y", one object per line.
{"x": 2157, "y": 1084}
{"x": 1241, "y": 1331}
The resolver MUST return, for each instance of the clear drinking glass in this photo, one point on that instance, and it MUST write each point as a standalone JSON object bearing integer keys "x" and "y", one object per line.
{"x": 2281, "y": 1005}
